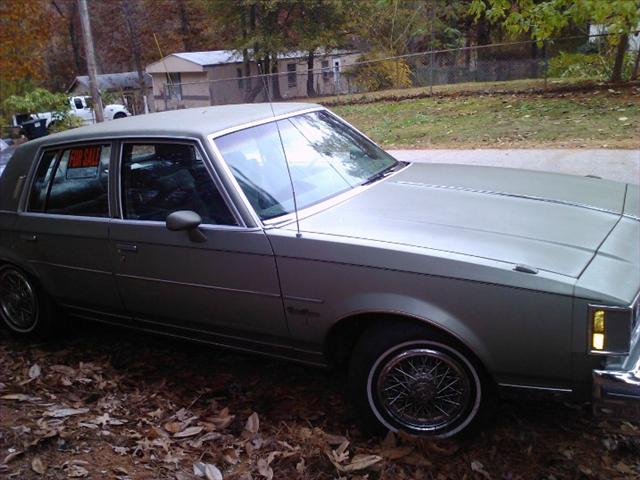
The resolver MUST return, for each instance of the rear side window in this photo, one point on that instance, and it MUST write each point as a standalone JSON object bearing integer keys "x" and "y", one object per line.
{"x": 72, "y": 181}
{"x": 160, "y": 178}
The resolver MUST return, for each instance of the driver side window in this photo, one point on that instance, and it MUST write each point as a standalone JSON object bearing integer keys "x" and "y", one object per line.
{"x": 160, "y": 178}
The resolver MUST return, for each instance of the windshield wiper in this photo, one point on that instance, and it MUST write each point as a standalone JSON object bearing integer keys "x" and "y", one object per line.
{"x": 383, "y": 173}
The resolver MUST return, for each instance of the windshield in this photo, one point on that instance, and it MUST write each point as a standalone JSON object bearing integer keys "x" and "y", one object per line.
{"x": 326, "y": 158}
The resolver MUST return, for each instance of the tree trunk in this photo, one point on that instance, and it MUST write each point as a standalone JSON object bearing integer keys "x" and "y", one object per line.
{"x": 616, "y": 75}
{"x": 130, "y": 14}
{"x": 73, "y": 38}
{"x": 634, "y": 75}
{"x": 91, "y": 59}
{"x": 275, "y": 78}
{"x": 311, "y": 91}
{"x": 185, "y": 29}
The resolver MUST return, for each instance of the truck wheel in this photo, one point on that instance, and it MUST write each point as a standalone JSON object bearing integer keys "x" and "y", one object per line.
{"x": 406, "y": 377}
{"x": 119, "y": 115}
{"x": 24, "y": 308}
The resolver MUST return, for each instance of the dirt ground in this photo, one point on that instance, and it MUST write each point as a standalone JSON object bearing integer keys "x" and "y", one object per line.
{"x": 108, "y": 403}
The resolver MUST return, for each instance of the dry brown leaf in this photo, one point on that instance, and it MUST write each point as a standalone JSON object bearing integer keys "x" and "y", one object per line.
{"x": 34, "y": 371}
{"x": 65, "y": 412}
{"x": 12, "y": 456}
{"x": 230, "y": 455}
{"x": 264, "y": 469}
{"x": 334, "y": 440}
{"x": 361, "y": 462}
{"x": 223, "y": 420}
{"x": 396, "y": 453}
{"x": 174, "y": 427}
{"x": 20, "y": 397}
{"x": 478, "y": 467}
{"x": 207, "y": 470}
{"x": 189, "y": 432}
{"x": 341, "y": 454}
{"x": 253, "y": 424}
{"x": 76, "y": 471}
{"x": 37, "y": 465}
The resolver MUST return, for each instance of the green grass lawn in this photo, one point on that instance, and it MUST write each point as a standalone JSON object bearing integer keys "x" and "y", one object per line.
{"x": 595, "y": 119}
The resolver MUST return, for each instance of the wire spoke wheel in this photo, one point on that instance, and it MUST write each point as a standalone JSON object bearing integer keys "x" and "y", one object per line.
{"x": 18, "y": 301}
{"x": 423, "y": 389}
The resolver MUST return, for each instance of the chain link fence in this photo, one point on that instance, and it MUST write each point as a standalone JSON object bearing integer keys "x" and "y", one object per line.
{"x": 588, "y": 57}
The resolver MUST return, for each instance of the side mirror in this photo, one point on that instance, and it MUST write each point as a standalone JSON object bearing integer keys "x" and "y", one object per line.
{"x": 186, "y": 220}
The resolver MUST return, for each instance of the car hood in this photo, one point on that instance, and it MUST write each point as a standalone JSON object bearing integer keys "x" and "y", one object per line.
{"x": 548, "y": 221}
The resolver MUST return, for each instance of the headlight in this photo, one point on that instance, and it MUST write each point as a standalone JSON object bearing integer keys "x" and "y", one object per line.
{"x": 610, "y": 329}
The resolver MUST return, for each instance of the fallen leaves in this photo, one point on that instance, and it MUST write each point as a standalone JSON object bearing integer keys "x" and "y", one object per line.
{"x": 189, "y": 432}
{"x": 253, "y": 424}
{"x": 38, "y": 466}
{"x": 165, "y": 417}
{"x": 207, "y": 470}
{"x": 65, "y": 412}
{"x": 34, "y": 371}
{"x": 20, "y": 397}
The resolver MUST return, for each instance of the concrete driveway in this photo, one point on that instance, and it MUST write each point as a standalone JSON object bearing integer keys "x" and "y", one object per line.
{"x": 620, "y": 165}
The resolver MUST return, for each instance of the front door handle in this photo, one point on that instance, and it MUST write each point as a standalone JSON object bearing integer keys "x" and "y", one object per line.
{"x": 127, "y": 247}
{"x": 28, "y": 237}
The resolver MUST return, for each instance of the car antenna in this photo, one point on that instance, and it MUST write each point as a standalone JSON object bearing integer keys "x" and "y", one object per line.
{"x": 284, "y": 152}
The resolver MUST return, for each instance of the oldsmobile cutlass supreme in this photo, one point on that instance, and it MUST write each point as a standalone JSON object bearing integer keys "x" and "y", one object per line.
{"x": 291, "y": 234}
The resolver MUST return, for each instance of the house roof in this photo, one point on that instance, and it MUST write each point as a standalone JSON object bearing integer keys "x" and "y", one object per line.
{"x": 221, "y": 57}
{"x": 110, "y": 82}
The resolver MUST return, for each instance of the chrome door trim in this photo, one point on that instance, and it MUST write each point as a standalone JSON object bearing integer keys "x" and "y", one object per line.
{"x": 199, "y": 285}
{"x": 69, "y": 267}
{"x": 536, "y": 387}
{"x": 138, "y": 324}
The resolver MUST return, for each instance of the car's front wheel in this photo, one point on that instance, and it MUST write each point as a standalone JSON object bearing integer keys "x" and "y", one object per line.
{"x": 25, "y": 310}
{"x": 414, "y": 379}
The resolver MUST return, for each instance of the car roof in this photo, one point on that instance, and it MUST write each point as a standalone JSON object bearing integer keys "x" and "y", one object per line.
{"x": 190, "y": 122}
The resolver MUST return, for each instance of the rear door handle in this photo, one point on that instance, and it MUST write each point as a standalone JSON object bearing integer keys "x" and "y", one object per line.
{"x": 127, "y": 247}
{"x": 28, "y": 237}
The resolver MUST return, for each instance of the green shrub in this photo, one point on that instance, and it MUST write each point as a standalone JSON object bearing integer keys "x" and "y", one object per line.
{"x": 65, "y": 122}
{"x": 37, "y": 100}
{"x": 586, "y": 65}
{"x": 380, "y": 74}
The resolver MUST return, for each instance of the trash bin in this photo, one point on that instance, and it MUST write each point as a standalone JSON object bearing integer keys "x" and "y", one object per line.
{"x": 34, "y": 128}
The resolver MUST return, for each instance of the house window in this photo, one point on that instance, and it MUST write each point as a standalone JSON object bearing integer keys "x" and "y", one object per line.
{"x": 325, "y": 69}
{"x": 240, "y": 78}
{"x": 174, "y": 87}
{"x": 291, "y": 75}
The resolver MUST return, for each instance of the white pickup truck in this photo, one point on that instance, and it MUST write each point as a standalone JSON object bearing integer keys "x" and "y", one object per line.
{"x": 79, "y": 106}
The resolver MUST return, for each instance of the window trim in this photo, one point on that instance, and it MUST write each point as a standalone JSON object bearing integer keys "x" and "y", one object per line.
{"x": 292, "y": 75}
{"x": 59, "y": 149}
{"x": 213, "y": 175}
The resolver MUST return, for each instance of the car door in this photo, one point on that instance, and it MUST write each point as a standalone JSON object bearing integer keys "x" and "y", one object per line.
{"x": 226, "y": 285}
{"x": 63, "y": 229}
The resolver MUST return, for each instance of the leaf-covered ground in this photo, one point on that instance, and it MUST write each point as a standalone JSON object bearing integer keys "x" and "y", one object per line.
{"x": 599, "y": 117}
{"x": 106, "y": 403}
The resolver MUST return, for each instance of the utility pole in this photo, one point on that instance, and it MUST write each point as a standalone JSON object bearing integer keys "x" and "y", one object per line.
{"x": 91, "y": 59}
{"x": 431, "y": 42}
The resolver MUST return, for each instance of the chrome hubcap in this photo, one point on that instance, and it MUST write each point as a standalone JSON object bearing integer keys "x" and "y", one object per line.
{"x": 18, "y": 301}
{"x": 424, "y": 389}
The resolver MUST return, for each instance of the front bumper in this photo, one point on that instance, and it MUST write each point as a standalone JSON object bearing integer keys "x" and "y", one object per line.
{"x": 616, "y": 389}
